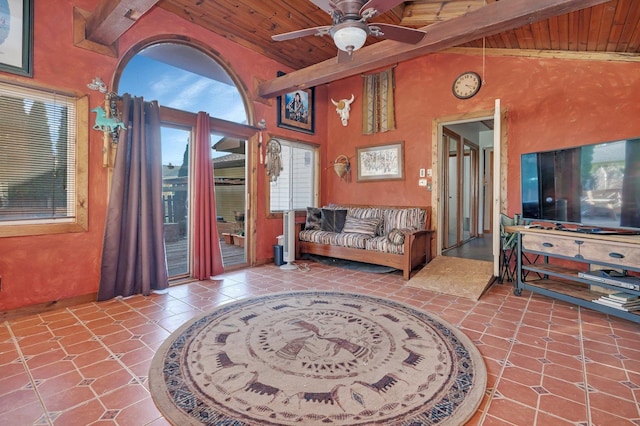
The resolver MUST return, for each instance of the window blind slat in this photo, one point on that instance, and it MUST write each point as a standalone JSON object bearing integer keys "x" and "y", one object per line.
{"x": 37, "y": 155}
{"x": 294, "y": 187}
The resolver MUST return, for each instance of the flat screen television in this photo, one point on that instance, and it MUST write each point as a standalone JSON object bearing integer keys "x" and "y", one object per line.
{"x": 593, "y": 186}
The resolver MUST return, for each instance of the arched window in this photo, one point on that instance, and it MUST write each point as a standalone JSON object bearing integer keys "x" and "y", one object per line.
{"x": 184, "y": 79}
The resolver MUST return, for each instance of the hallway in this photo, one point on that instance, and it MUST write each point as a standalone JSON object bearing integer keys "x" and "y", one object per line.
{"x": 477, "y": 248}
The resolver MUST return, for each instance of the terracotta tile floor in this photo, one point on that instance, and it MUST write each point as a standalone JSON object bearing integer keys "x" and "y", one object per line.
{"x": 549, "y": 363}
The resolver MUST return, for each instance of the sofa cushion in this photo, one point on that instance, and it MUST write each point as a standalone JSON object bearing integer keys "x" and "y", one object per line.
{"x": 333, "y": 219}
{"x": 412, "y": 217}
{"x": 351, "y": 239}
{"x": 314, "y": 218}
{"x": 365, "y": 226}
{"x": 317, "y": 236}
{"x": 382, "y": 244}
{"x": 334, "y": 238}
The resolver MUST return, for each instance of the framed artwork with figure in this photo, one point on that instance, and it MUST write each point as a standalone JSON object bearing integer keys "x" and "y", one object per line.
{"x": 380, "y": 162}
{"x": 296, "y": 110}
{"x": 16, "y": 37}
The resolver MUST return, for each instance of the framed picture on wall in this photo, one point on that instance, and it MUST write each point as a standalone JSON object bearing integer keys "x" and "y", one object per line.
{"x": 16, "y": 37}
{"x": 296, "y": 110}
{"x": 380, "y": 162}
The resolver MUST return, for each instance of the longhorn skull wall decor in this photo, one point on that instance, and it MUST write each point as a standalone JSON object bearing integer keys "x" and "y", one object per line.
{"x": 343, "y": 106}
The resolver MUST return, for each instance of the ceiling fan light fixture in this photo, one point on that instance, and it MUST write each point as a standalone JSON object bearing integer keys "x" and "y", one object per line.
{"x": 350, "y": 37}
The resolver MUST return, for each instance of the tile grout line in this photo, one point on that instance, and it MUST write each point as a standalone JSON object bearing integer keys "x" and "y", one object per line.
{"x": 584, "y": 363}
{"x": 512, "y": 343}
{"x": 626, "y": 370}
{"x": 583, "y": 355}
{"x": 28, "y": 371}
{"x": 111, "y": 354}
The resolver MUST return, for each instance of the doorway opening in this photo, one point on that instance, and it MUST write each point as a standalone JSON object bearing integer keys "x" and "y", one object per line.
{"x": 465, "y": 188}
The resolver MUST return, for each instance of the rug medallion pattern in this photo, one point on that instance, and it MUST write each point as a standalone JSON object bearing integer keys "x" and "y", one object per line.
{"x": 317, "y": 358}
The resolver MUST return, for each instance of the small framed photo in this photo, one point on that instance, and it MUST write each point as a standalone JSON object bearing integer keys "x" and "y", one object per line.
{"x": 296, "y": 110}
{"x": 380, "y": 162}
{"x": 16, "y": 37}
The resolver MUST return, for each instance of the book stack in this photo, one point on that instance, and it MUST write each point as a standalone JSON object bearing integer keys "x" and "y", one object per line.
{"x": 623, "y": 301}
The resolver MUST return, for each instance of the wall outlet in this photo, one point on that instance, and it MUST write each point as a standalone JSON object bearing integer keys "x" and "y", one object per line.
{"x": 429, "y": 172}
{"x": 422, "y": 182}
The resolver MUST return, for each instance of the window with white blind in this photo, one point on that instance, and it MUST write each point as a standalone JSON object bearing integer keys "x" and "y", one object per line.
{"x": 43, "y": 162}
{"x": 297, "y": 186}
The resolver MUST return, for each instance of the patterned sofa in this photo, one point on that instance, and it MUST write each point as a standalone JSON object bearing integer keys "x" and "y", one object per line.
{"x": 398, "y": 237}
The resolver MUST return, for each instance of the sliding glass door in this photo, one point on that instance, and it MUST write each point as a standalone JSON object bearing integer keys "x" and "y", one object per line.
{"x": 176, "y": 173}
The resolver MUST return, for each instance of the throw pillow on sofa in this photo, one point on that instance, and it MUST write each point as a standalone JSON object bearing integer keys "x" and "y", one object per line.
{"x": 365, "y": 226}
{"x": 396, "y": 236}
{"x": 314, "y": 219}
{"x": 333, "y": 219}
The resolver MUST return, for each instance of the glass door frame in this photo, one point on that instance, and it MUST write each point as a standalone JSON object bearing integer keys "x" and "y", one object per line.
{"x": 189, "y": 216}
{"x": 170, "y": 117}
{"x": 465, "y": 156}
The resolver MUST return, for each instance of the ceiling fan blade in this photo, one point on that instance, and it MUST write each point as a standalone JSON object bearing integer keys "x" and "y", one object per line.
{"x": 378, "y": 7}
{"x": 397, "y": 33}
{"x": 344, "y": 57}
{"x": 319, "y": 31}
{"x": 326, "y": 5}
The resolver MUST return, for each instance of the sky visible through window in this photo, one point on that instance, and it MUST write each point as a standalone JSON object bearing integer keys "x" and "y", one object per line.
{"x": 180, "y": 89}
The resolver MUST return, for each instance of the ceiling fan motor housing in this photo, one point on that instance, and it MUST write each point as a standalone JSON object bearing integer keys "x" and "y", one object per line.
{"x": 349, "y": 9}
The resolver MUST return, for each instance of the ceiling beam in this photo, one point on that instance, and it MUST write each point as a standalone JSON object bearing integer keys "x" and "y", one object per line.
{"x": 417, "y": 14}
{"x": 489, "y": 20}
{"x": 112, "y": 18}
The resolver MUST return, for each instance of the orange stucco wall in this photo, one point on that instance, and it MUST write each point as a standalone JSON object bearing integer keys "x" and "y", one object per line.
{"x": 551, "y": 103}
{"x": 39, "y": 269}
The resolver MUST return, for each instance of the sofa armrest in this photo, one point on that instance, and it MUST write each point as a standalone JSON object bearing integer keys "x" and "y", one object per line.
{"x": 418, "y": 244}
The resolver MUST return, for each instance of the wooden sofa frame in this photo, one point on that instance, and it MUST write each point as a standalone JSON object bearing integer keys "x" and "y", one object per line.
{"x": 417, "y": 249}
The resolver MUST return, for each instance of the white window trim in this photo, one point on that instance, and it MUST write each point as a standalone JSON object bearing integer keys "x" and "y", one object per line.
{"x": 316, "y": 177}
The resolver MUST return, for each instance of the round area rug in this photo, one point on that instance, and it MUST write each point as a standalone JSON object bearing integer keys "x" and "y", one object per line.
{"x": 317, "y": 358}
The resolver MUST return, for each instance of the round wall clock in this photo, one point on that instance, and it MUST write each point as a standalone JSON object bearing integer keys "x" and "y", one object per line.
{"x": 466, "y": 85}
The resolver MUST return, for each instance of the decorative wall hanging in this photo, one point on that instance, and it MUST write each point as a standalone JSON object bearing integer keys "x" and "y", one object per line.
{"x": 296, "y": 110}
{"x": 263, "y": 125}
{"x": 343, "y": 107}
{"x": 381, "y": 162}
{"x": 342, "y": 167}
{"x": 104, "y": 123}
{"x": 272, "y": 162}
{"x": 378, "y": 113}
{"x": 16, "y": 37}
{"x": 107, "y": 121}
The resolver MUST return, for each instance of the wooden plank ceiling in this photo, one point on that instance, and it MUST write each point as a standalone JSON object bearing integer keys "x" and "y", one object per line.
{"x": 609, "y": 29}
{"x": 612, "y": 27}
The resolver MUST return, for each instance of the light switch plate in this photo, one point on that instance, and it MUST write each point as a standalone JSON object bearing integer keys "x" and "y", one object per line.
{"x": 422, "y": 182}
{"x": 422, "y": 173}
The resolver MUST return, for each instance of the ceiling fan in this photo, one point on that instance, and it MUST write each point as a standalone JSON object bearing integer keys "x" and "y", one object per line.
{"x": 350, "y": 28}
